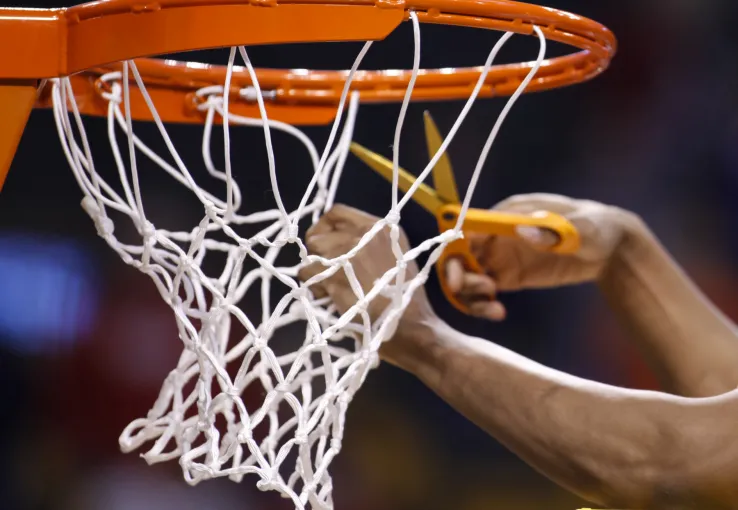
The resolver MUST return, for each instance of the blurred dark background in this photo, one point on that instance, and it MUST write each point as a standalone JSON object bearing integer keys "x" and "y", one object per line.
{"x": 85, "y": 340}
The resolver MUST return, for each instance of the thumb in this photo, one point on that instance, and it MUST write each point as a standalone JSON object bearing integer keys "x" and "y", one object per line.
{"x": 536, "y": 236}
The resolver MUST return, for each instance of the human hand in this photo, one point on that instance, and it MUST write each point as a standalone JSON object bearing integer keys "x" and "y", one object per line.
{"x": 522, "y": 263}
{"x": 338, "y": 232}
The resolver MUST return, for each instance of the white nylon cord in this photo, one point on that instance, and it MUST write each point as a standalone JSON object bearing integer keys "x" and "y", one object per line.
{"x": 253, "y": 402}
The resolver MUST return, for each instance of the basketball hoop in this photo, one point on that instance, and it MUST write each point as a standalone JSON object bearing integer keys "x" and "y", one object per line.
{"x": 83, "y": 61}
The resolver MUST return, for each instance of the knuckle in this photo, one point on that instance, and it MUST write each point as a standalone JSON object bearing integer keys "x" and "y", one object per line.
{"x": 516, "y": 199}
{"x": 338, "y": 211}
{"x": 310, "y": 233}
{"x": 311, "y": 243}
{"x": 545, "y": 197}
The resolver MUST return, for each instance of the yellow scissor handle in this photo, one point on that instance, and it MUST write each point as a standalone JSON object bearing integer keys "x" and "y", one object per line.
{"x": 495, "y": 223}
{"x": 499, "y": 223}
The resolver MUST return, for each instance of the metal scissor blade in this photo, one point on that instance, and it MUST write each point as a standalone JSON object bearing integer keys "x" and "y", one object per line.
{"x": 443, "y": 174}
{"x": 424, "y": 195}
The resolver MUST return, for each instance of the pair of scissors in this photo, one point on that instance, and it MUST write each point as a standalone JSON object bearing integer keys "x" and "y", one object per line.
{"x": 445, "y": 204}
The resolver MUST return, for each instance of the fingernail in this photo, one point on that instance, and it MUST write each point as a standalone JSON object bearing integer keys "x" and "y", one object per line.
{"x": 530, "y": 234}
{"x": 535, "y": 235}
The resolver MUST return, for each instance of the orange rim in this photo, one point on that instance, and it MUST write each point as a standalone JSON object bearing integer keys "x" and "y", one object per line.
{"x": 89, "y": 40}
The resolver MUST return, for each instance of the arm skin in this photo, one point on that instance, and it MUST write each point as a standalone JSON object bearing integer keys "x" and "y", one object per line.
{"x": 615, "y": 447}
{"x": 612, "y": 446}
{"x": 689, "y": 343}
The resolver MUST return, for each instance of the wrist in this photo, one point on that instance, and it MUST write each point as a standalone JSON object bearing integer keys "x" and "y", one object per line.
{"x": 637, "y": 247}
{"x": 418, "y": 346}
{"x": 636, "y": 242}
{"x": 635, "y": 230}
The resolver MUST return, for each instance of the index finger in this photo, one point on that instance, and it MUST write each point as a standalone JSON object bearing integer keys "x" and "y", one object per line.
{"x": 532, "y": 202}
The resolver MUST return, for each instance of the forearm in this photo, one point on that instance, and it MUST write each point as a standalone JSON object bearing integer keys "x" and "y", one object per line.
{"x": 609, "y": 445}
{"x": 691, "y": 345}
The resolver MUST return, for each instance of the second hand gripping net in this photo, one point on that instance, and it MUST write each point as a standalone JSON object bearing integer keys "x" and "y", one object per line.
{"x": 244, "y": 398}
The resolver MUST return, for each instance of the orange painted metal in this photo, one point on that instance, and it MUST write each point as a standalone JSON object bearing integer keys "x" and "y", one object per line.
{"x": 16, "y": 103}
{"x": 91, "y": 39}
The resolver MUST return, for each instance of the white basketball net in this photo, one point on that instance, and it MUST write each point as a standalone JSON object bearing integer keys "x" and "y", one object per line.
{"x": 200, "y": 416}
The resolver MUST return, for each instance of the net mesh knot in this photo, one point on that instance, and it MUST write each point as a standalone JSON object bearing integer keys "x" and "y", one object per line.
{"x": 393, "y": 218}
{"x": 104, "y": 225}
